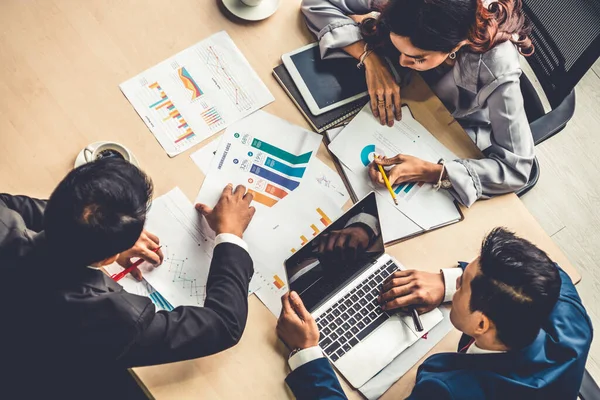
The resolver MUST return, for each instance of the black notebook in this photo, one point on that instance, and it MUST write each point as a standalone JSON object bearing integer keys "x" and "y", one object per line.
{"x": 321, "y": 122}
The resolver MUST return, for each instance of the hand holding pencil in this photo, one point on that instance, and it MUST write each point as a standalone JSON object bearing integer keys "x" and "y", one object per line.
{"x": 387, "y": 183}
{"x": 404, "y": 168}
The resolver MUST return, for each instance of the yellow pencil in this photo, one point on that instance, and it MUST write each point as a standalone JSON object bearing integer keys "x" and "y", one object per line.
{"x": 387, "y": 183}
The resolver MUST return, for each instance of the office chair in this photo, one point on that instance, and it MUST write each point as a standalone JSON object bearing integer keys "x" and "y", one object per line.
{"x": 566, "y": 36}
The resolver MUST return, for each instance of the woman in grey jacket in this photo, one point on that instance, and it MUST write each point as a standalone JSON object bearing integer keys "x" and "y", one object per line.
{"x": 469, "y": 54}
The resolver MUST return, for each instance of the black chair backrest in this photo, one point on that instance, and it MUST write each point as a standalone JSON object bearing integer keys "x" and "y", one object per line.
{"x": 566, "y": 35}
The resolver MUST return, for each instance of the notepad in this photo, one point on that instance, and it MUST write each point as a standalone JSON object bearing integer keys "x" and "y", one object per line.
{"x": 420, "y": 208}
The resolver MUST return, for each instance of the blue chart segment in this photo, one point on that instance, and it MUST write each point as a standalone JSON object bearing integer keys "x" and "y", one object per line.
{"x": 280, "y": 153}
{"x": 296, "y": 172}
{"x": 367, "y": 154}
{"x": 273, "y": 177}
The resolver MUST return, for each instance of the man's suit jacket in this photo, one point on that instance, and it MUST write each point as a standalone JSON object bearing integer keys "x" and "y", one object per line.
{"x": 550, "y": 368}
{"x": 70, "y": 331}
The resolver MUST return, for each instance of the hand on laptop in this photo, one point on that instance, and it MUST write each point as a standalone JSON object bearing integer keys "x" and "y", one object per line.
{"x": 424, "y": 290}
{"x": 296, "y": 327}
{"x": 233, "y": 212}
{"x": 144, "y": 248}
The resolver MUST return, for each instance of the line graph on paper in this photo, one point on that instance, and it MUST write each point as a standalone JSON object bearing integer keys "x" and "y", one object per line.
{"x": 186, "y": 284}
{"x": 224, "y": 77}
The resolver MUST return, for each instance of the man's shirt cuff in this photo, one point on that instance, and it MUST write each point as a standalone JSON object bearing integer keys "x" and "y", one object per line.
{"x": 450, "y": 276}
{"x": 231, "y": 238}
{"x": 305, "y": 356}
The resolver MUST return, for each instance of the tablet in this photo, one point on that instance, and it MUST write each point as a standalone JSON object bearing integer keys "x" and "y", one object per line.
{"x": 325, "y": 84}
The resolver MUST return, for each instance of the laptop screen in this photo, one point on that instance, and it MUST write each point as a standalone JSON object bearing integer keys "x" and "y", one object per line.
{"x": 339, "y": 253}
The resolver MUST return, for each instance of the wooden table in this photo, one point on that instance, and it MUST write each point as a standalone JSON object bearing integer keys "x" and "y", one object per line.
{"x": 61, "y": 63}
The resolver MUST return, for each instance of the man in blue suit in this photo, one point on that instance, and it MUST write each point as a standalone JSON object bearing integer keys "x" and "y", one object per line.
{"x": 525, "y": 331}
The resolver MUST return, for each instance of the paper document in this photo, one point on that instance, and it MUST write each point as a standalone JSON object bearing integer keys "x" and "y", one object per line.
{"x": 196, "y": 93}
{"x": 205, "y": 155}
{"x": 264, "y": 153}
{"x": 328, "y": 180}
{"x": 187, "y": 244}
{"x": 356, "y": 145}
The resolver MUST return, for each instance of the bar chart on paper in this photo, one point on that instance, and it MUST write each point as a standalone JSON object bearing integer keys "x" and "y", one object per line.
{"x": 196, "y": 93}
{"x": 314, "y": 227}
{"x": 254, "y": 153}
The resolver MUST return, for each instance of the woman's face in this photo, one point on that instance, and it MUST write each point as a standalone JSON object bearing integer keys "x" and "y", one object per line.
{"x": 415, "y": 58}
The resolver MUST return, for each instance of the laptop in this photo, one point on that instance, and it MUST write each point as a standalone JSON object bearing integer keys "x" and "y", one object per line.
{"x": 339, "y": 275}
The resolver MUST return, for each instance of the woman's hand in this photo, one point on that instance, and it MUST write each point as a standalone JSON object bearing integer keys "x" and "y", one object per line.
{"x": 406, "y": 169}
{"x": 383, "y": 90}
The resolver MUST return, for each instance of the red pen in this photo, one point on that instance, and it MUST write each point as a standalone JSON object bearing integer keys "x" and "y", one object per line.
{"x": 122, "y": 274}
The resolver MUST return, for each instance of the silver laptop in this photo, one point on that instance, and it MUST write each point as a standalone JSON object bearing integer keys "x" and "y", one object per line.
{"x": 339, "y": 275}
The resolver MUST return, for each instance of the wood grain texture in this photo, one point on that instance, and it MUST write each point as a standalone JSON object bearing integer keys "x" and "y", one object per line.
{"x": 62, "y": 62}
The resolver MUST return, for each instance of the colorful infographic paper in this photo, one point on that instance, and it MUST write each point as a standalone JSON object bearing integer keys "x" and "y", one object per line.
{"x": 196, "y": 93}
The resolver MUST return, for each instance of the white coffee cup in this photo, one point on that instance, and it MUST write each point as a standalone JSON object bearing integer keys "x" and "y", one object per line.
{"x": 251, "y": 3}
{"x": 91, "y": 153}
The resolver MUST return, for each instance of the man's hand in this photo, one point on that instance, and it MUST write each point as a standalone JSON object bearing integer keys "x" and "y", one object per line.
{"x": 296, "y": 327}
{"x": 233, "y": 212}
{"x": 423, "y": 290}
{"x": 144, "y": 248}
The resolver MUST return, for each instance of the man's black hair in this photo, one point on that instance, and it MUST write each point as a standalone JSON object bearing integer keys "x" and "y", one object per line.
{"x": 517, "y": 287}
{"x": 97, "y": 211}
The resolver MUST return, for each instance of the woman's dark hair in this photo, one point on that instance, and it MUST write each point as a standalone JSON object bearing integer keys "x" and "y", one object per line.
{"x": 517, "y": 287}
{"x": 440, "y": 25}
{"x": 97, "y": 211}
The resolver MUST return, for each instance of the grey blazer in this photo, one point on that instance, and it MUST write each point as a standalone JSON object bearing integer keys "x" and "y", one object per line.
{"x": 481, "y": 91}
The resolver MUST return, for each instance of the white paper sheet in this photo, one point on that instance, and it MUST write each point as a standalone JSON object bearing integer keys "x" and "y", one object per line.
{"x": 187, "y": 243}
{"x": 328, "y": 180}
{"x": 268, "y": 155}
{"x": 205, "y": 155}
{"x": 364, "y": 136}
{"x": 196, "y": 93}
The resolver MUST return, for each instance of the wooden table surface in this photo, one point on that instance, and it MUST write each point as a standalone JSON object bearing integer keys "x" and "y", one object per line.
{"x": 61, "y": 64}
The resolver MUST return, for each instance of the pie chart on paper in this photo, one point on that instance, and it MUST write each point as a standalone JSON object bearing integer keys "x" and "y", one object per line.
{"x": 368, "y": 152}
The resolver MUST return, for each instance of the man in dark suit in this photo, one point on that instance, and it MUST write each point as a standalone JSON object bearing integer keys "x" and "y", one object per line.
{"x": 526, "y": 332}
{"x": 69, "y": 331}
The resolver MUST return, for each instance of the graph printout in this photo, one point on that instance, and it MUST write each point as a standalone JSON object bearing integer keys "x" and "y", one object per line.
{"x": 363, "y": 138}
{"x": 196, "y": 93}
{"x": 267, "y": 155}
{"x": 187, "y": 244}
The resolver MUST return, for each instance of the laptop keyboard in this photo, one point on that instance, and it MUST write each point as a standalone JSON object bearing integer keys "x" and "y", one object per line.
{"x": 354, "y": 316}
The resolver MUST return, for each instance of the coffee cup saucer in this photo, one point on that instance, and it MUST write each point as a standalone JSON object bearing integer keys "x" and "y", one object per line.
{"x": 80, "y": 160}
{"x": 262, "y": 11}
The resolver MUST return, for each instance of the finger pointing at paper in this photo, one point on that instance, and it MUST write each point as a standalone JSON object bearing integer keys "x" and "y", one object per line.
{"x": 232, "y": 213}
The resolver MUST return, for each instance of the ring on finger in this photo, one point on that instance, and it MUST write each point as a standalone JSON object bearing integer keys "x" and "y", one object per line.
{"x": 380, "y": 102}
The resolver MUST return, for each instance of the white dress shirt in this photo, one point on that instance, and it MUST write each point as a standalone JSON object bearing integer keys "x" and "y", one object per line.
{"x": 450, "y": 275}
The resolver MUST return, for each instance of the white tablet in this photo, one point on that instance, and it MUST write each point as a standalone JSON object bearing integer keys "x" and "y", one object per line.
{"x": 325, "y": 84}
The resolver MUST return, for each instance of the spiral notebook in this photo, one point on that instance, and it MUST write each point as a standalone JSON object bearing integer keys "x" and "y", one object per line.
{"x": 321, "y": 122}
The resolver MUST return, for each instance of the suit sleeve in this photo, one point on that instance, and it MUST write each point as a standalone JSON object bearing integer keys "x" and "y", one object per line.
{"x": 30, "y": 209}
{"x": 191, "y": 332}
{"x": 315, "y": 380}
{"x": 430, "y": 389}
